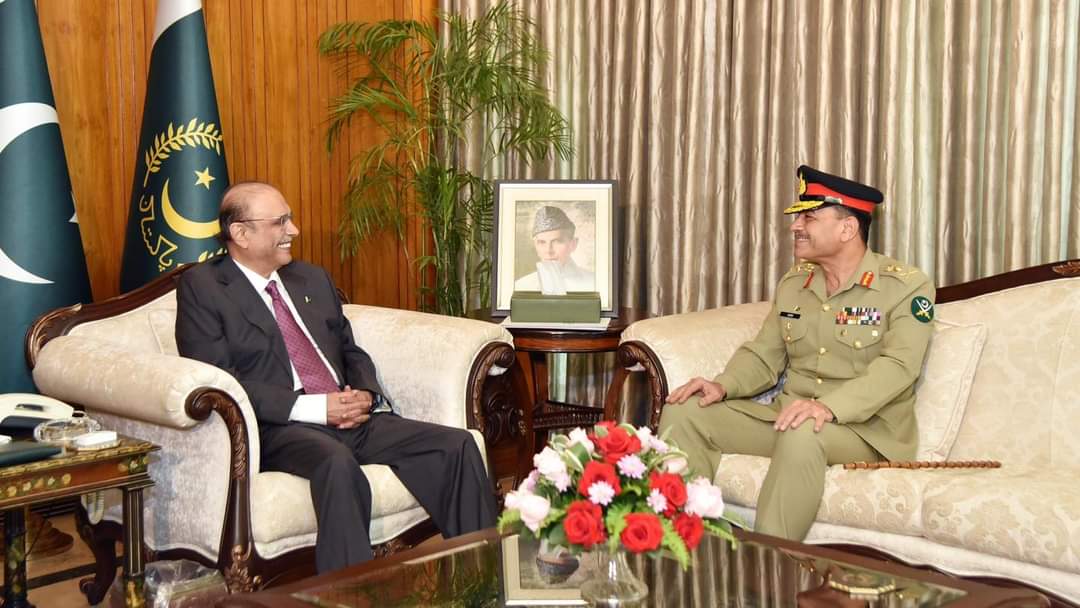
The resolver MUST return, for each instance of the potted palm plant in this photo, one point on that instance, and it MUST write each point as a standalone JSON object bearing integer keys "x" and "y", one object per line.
{"x": 429, "y": 90}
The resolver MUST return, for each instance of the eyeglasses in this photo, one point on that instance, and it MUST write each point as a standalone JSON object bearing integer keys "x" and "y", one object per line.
{"x": 279, "y": 221}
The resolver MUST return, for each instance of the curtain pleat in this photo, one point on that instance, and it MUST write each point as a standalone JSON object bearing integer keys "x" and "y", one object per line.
{"x": 962, "y": 112}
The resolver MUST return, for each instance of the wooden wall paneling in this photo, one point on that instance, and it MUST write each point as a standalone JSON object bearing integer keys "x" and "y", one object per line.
{"x": 273, "y": 92}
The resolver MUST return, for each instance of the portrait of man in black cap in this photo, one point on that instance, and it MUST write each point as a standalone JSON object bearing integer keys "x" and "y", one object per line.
{"x": 554, "y": 240}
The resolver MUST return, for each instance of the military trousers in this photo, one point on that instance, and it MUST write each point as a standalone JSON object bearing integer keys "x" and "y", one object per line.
{"x": 792, "y": 490}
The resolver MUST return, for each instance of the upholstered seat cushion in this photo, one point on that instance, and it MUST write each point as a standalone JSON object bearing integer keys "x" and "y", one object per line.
{"x": 1026, "y": 513}
{"x": 283, "y": 516}
{"x": 889, "y": 500}
{"x": 1003, "y": 512}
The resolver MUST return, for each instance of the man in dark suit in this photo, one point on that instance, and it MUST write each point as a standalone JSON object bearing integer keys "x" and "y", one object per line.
{"x": 277, "y": 326}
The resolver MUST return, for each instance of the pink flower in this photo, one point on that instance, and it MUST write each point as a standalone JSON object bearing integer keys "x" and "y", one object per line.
{"x": 645, "y": 436}
{"x": 601, "y": 493}
{"x": 659, "y": 445}
{"x": 550, "y": 464}
{"x": 704, "y": 499}
{"x": 561, "y": 481}
{"x": 579, "y": 436}
{"x": 656, "y": 501}
{"x": 534, "y": 509}
{"x": 632, "y": 466}
{"x": 528, "y": 485}
{"x": 676, "y": 465}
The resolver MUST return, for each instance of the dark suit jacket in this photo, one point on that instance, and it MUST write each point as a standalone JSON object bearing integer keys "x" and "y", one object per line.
{"x": 221, "y": 320}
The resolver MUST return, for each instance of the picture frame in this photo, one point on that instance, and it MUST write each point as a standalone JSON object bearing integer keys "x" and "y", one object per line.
{"x": 525, "y": 585}
{"x": 566, "y": 226}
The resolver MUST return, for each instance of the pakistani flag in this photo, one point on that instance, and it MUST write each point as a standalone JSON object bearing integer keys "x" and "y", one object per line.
{"x": 42, "y": 265}
{"x": 180, "y": 170}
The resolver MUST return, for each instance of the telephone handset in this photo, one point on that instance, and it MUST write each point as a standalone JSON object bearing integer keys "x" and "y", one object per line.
{"x": 24, "y": 411}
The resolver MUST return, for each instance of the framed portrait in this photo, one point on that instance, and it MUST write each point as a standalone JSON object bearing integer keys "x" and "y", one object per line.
{"x": 562, "y": 232}
{"x": 551, "y": 581}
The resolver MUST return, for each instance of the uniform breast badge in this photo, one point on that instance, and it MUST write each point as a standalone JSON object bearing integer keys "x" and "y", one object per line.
{"x": 858, "y": 315}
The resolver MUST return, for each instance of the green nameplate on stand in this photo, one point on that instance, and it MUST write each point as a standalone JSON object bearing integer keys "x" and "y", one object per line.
{"x": 574, "y": 307}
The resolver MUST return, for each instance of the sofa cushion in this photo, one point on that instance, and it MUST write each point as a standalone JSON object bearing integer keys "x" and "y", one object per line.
{"x": 281, "y": 503}
{"x": 941, "y": 393}
{"x": 1027, "y": 513}
{"x": 283, "y": 516}
{"x": 889, "y": 500}
{"x": 1030, "y": 364}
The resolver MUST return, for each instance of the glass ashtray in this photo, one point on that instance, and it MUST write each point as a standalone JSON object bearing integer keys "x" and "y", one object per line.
{"x": 63, "y": 431}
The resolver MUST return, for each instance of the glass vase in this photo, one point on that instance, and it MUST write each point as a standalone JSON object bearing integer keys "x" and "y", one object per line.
{"x": 614, "y": 584}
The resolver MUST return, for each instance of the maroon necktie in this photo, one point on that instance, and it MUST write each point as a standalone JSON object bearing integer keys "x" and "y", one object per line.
{"x": 313, "y": 373}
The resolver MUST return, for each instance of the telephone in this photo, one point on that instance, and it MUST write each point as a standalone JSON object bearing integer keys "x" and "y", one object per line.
{"x": 24, "y": 411}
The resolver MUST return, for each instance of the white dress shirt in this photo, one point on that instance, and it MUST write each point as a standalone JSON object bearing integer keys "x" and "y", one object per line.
{"x": 308, "y": 408}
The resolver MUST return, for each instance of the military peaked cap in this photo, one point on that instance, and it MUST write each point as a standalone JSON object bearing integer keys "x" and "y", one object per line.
{"x": 817, "y": 188}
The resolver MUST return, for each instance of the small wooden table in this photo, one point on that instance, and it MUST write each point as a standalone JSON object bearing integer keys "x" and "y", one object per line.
{"x": 534, "y": 345}
{"x": 122, "y": 467}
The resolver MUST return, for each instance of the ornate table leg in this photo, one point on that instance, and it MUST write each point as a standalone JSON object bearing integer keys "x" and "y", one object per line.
{"x": 15, "y": 559}
{"x": 134, "y": 594}
{"x": 535, "y": 366}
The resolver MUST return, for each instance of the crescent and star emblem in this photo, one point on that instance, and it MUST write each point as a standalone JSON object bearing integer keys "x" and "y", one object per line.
{"x": 182, "y": 225}
{"x": 15, "y": 120}
{"x": 193, "y": 135}
{"x": 923, "y": 309}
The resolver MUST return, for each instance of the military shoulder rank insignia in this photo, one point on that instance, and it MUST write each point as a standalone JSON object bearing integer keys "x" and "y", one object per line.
{"x": 922, "y": 308}
{"x": 900, "y": 272}
{"x": 858, "y": 315}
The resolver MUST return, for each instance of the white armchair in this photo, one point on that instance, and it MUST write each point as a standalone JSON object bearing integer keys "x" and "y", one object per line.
{"x": 211, "y": 503}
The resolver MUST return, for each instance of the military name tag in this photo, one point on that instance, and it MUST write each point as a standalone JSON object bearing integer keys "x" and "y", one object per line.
{"x": 858, "y": 315}
{"x": 790, "y": 315}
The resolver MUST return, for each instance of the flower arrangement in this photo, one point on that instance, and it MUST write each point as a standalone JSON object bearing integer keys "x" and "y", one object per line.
{"x": 617, "y": 486}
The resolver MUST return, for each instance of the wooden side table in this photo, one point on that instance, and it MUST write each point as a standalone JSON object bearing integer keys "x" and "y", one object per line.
{"x": 123, "y": 467}
{"x": 534, "y": 345}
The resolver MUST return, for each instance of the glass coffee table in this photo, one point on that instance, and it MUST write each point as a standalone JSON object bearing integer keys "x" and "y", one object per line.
{"x": 486, "y": 569}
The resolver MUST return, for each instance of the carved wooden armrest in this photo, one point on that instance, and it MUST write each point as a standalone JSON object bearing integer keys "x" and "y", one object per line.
{"x": 636, "y": 356}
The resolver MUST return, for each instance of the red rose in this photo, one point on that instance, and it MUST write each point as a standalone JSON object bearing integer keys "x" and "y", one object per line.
{"x": 643, "y": 532}
{"x": 607, "y": 424}
{"x": 584, "y": 524}
{"x": 689, "y": 528}
{"x": 617, "y": 443}
{"x": 598, "y": 471}
{"x": 673, "y": 488}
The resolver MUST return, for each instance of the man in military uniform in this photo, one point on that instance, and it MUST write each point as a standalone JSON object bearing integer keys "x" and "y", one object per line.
{"x": 849, "y": 327}
{"x": 554, "y": 239}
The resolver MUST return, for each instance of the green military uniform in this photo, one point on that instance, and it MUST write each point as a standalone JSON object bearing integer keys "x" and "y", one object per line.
{"x": 858, "y": 351}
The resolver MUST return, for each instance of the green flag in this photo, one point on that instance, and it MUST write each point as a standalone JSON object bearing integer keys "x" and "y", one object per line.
{"x": 180, "y": 170}
{"x": 42, "y": 265}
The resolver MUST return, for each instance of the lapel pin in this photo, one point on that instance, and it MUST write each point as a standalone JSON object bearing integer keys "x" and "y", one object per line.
{"x": 307, "y": 300}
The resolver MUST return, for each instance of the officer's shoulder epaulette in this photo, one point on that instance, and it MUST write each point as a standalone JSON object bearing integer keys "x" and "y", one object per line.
{"x": 800, "y": 269}
{"x": 903, "y": 272}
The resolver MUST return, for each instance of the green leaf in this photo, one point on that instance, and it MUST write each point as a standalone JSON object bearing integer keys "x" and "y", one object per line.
{"x": 427, "y": 89}
{"x": 674, "y": 543}
{"x": 509, "y": 521}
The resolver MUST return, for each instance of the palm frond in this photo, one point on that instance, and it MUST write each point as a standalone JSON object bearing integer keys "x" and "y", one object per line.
{"x": 425, "y": 89}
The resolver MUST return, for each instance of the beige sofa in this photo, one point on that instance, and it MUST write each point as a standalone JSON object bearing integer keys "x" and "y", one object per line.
{"x": 1020, "y": 522}
{"x": 211, "y": 502}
